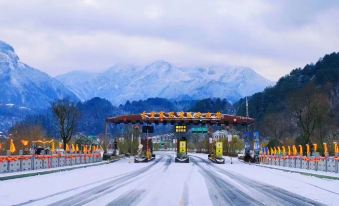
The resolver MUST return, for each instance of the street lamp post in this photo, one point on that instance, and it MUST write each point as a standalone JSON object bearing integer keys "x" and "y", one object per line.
{"x": 132, "y": 143}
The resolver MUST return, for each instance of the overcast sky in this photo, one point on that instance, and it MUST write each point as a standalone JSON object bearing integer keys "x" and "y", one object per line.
{"x": 272, "y": 37}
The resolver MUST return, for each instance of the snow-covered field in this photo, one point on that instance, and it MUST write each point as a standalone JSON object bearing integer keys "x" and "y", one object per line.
{"x": 164, "y": 182}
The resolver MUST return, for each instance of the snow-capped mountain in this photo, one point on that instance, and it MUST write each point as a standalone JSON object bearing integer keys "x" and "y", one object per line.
{"x": 24, "y": 86}
{"x": 162, "y": 79}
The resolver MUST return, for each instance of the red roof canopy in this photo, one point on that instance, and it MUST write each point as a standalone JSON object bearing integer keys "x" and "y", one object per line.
{"x": 180, "y": 118}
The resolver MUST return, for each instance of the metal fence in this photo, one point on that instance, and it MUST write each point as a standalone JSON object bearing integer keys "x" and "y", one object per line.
{"x": 34, "y": 162}
{"x": 326, "y": 164}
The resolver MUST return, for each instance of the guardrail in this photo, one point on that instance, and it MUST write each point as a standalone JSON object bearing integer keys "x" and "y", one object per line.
{"x": 326, "y": 164}
{"x": 34, "y": 162}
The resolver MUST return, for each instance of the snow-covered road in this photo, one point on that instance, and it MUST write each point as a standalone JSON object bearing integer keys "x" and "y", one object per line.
{"x": 163, "y": 182}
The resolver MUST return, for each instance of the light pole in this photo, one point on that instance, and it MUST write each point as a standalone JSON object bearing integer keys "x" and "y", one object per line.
{"x": 132, "y": 143}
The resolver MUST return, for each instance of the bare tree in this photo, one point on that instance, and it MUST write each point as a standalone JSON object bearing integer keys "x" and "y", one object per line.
{"x": 276, "y": 125}
{"x": 105, "y": 140}
{"x": 309, "y": 108}
{"x": 67, "y": 116}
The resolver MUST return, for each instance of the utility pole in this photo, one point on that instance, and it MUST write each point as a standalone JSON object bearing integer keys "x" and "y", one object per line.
{"x": 247, "y": 138}
{"x": 247, "y": 108}
{"x": 132, "y": 142}
{"x": 106, "y": 139}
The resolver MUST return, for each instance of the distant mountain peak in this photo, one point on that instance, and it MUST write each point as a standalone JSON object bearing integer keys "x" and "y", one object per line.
{"x": 25, "y": 86}
{"x": 159, "y": 66}
{"x": 165, "y": 80}
{"x": 5, "y": 47}
{"x": 7, "y": 55}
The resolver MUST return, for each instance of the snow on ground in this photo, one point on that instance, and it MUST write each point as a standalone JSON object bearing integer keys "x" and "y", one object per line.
{"x": 324, "y": 191}
{"x": 50, "y": 169}
{"x": 61, "y": 184}
{"x": 328, "y": 174}
{"x": 163, "y": 182}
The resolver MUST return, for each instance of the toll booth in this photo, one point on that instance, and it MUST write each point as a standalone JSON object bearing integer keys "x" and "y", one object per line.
{"x": 181, "y": 120}
{"x": 182, "y": 156}
{"x": 216, "y": 152}
{"x": 145, "y": 149}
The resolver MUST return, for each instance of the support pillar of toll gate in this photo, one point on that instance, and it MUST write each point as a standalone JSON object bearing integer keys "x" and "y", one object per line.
{"x": 145, "y": 152}
{"x": 182, "y": 156}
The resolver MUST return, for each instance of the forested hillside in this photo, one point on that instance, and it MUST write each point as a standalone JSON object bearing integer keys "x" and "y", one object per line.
{"x": 302, "y": 106}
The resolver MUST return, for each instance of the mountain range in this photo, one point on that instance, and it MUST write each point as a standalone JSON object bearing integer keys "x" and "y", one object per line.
{"x": 25, "y": 90}
{"x": 24, "y": 86}
{"x": 121, "y": 83}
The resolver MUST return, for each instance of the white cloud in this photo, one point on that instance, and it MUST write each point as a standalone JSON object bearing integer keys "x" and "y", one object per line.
{"x": 271, "y": 37}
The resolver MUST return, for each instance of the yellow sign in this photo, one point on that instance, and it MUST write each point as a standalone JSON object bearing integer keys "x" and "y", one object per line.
{"x": 67, "y": 148}
{"x": 189, "y": 115}
{"x": 218, "y": 149}
{"x": 182, "y": 146}
{"x": 171, "y": 115}
{"x": 300, "y": 150}
{"x": 218, "y": 115}
{"x": 283, "y": 150}
{"x": 180, "y": 128}
{"x": 43, "y": 142}
{"x": 52, "y": 147}
{"x": 180, "y": 115}
{"x": 294, "y": 150}
{"x": 12, "y": 147}
{"x": 144, "y": 115}
{"x": 197, "y": 115}
{"x": 162, "y": 115}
